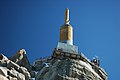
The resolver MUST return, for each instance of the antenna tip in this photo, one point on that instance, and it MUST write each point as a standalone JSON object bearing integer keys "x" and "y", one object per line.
{"x": 67, "y": 16}
{"x": 67, "y": 9}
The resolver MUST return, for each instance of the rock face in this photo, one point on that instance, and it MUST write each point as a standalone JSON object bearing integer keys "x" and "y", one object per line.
{"x": 60, "y": 66}
{"x": 10, "y": 70}
{"x": 21, "y": 59}
{"x": 67, "y": 68}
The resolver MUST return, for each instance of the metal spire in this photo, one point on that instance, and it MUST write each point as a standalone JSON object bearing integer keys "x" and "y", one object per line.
{"x": 67, "y": 16}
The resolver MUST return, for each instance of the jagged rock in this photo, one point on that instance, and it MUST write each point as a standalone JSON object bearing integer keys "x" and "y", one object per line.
{"x": 12, "y": 78}
{"x": 19, "y": 69}
{"x": 68, "y": 69}
{"x": 16, "y": 74}
{"x": 3, "y": 60}
{"x": 18, "y": 56}
{"x": 58, "y": 67}
{"x": 21, "y": 59}
{"x": 12, "y": 71}
{"x": 2, "y": 57}
{"x": 3, "y": 77}
{"x": 32, "y": 74}
{"x": 38, "y": 64}
{"x": 68, "y": 66}
{"x": 13, "y": 65}
{"x": 3, "y": 71}
{"x": 25, "y": 72}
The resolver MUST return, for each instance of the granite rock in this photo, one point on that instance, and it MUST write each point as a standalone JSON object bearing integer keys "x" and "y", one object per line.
{"x": 62, "y": 66}
{"x": 3, "y": 77}
{"x": 59, "y": 66}
{"x": 68, "y": 69}
{"x": 21, "y": 59}
{"x": 10, "y": 70}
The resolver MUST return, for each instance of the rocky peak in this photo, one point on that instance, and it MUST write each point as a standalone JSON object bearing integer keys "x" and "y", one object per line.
{"x": 66, "y": 66}
{"x": 21, "y": 59}
{"x": 16, "y": 67}
{"x": 22, "y": 51}
{"x": 60, "y": 66}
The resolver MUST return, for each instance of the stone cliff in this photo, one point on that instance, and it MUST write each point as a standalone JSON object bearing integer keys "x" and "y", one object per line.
{"x": 67, "y": 66}
{"x": 10, "y": 70}
{"x": 59, "y": 66}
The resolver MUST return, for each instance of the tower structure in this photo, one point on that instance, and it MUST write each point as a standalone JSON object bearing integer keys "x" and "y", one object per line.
{"x": 66, "y": 30}
{"x": 66, "y": 63}
{"x": 66, "y": 36}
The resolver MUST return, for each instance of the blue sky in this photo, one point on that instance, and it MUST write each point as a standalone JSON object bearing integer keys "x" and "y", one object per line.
{"x": 34, "y": 25}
